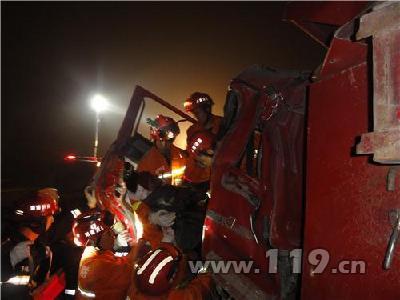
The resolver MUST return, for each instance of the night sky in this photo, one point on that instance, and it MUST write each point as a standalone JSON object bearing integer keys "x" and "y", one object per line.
{"x": 55, "y": 55}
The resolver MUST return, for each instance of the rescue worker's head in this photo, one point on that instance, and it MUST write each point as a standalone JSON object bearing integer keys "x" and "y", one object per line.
{"x": 88, "y": 227}
{"x": 199, "y": 104}
{"x": 156, "y": 271}
{"x": 163, "y": 128}
{"x": 35, "y": 211}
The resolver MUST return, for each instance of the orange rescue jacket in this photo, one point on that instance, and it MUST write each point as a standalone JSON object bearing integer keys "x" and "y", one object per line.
{"x": 151, "y": 233}
{"x": 155, "y": 163}
{"x": 103, "y": 275}
{"x": 193, "y": 172}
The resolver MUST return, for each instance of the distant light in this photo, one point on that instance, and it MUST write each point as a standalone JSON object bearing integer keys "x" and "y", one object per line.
{"x": 98, "y": 164}
{"x": 70, "y": 157}
{"x": 174, "y": 172}
{"x": 99, "y": 103}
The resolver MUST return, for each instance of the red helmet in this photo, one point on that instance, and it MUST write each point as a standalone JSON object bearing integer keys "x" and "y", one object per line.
{"x": 163, "y": 128}
{"x": 200, "y": 142}
{"x": 196, "y": 100}
{"x": 42, "y": 204}
{"x": 88, "y": 226}
{"x": 156, "y": 271}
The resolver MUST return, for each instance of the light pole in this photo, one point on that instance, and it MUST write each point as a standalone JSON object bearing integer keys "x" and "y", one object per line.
{"x": 98, "y": 104}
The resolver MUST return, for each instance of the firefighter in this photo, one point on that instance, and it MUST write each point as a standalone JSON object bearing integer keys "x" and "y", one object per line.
{"x": 31, "y": 216}
{"x": 140, "y": 186}
{"x": 164, "y": 159}
{"x": 102, "y": 274}
{"x": 164, "y": 274}
{"x": 198, "y": 169}
{"x": 188, "y": 210}
{"x": 65, "y": 254}
{"x": 167, "y": 213}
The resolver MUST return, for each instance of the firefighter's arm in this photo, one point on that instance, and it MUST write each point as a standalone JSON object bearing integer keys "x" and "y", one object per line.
{"x": 143, "y": 212}
{"x": 90, "y": 197}
{"x": 151, "y": 232}
{"x": 205, "y": 160}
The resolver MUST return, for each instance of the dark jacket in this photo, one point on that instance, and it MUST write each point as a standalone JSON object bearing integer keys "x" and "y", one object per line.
{"x": 189, "y": 209}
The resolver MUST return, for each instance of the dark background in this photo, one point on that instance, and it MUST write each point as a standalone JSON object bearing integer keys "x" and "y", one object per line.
{"x": 55, "y": 55}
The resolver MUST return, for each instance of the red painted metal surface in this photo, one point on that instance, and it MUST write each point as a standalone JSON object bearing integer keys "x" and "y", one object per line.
{"x": 343, "y": 54}
{"x": 273, "y": 197}
{"x": 320, "y": 19}
{"x": 347, "y": 203}
{"x": 228, "y": 234}
{"x": 348, "y": 197}
{"x": 325, "y": 12}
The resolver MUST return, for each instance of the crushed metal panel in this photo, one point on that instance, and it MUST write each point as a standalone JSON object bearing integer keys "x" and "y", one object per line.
{"x": 249, "y": 213}
{"x": 238, "y": 285}
{"x": 341, "y": 55}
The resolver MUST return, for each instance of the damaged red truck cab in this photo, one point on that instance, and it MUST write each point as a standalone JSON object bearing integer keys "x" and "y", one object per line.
{"x": 304, "y": 188}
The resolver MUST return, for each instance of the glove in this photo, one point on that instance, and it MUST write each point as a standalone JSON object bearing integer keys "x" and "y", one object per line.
{"x": 123, "y": 239}
{"x": 20, "y": 252}
{"x": 90, "y": 197}
{"x": 162, "y": 218}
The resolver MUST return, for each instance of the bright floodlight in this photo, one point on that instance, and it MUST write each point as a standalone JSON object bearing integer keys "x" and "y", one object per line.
{"x": 99, "y": 103}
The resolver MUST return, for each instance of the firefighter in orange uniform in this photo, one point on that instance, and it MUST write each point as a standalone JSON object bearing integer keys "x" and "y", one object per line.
{"x": 139, "y": 186}
{"x": 102, "y": 275}
{"x": 164, "y": 159}
{"x": 197, "y": 172}
{"x": 163, "y": 274}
